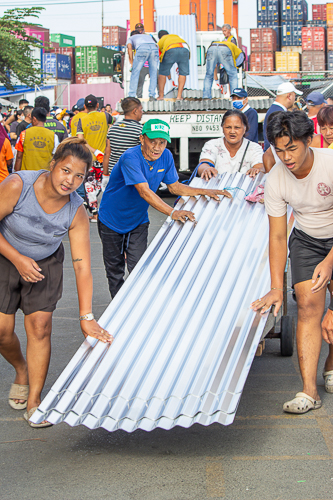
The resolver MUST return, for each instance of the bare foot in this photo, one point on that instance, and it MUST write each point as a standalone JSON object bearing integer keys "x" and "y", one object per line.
{"x": 160, "y": 99}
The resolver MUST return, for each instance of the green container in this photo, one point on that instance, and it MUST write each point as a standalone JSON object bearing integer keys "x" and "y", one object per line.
{"x": 63, "y": 40}
{"x": 94, "y": 60}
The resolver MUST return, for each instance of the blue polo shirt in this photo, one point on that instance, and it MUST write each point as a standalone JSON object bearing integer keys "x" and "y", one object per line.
{"x": 122, "y": 209}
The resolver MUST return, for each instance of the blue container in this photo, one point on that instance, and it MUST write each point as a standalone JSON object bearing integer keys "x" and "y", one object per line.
{"x": 58, "y": 66}
{"x": 268, "y": 10}
{"x": 276, "y": 28}
{"x": 294, "y": 10}
{"x": 330, "y": 60}
{"x": 316, "y": 22}
{"x": 292, "y": 33}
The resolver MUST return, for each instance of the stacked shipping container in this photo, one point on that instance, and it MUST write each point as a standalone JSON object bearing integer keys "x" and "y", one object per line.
{"x": 263, "y": 45}
{"x": 113, "y": 35}
{"x": 268, "y": 16}
{"x": 314, "y": 46}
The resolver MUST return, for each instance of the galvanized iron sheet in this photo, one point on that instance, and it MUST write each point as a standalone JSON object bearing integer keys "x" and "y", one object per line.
{"x": 183, "y": 26}
{"x": 185, "y": 337}
{"x": 193, "y": 102}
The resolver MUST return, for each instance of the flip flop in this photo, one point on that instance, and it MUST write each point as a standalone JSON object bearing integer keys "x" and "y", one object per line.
{"x": 328, "y": 377}
{"x": 28, "y": 415}
{"x": 18, "y": 391}
{"x": 302, "y": 403}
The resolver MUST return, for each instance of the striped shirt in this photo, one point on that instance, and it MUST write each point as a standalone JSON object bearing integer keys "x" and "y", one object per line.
{"x": 122, "y": 136}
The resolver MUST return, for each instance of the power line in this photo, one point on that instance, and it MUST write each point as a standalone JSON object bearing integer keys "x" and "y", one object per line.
{"x": 28, "y": 4}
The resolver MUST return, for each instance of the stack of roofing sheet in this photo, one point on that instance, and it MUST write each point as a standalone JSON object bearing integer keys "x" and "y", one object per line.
{"x": 185, "y": 337}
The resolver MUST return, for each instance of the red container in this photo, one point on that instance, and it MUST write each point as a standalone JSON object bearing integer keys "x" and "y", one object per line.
{"x": 114, "y": 35}
{"x": 329, "y": 39}
{"x": 319, "y": 12}
{"x": 262, "y": 61}
{"x": 263, "y": 40}
{"x": 313, "y": 60}
{"x": 83, "y": 78}
{"x": 313, "y": 38}
{"x": 68, "y": 51}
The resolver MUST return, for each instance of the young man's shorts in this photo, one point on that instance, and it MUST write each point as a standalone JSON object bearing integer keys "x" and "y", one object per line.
{"x": 16, "y": 293}
{"x": 178, "y": 55}
{"x": 305, "y": 254}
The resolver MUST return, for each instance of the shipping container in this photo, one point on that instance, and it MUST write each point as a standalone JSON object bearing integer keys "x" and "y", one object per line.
{"x": 287, "y": 61}
{"x": 114, "y": 35}
{"x": 292, "y": 49}
{"x": 69, "y": 51}
{"x": 313, "y": 60}
{"x": 52, "y": 45}
{"x": 294, "y": 10}
{"x": 117, "y": 48}
{"x": 263, "y": 40}
{"x": 321, "y": 24}
{"x": 57, "y": 66}
{"x": 276, "y": 27}
{"x": 262, "y": 61}
{"x": 292, "y": 33}
{"x": 330, "y": 39}
{"x": 319, "y": 11}
{"x": 313, "y": 38}
{"x": 99, "y": 79}
{"x": 330, "y": 60}
{"x": 63, "y": 40}
{"x": 329, "y": 14}
{"x": 42, "y": 34}
{"x": 97, "y": 60}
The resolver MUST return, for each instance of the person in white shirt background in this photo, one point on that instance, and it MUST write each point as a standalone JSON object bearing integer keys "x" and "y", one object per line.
{"x": 232, "y": 152}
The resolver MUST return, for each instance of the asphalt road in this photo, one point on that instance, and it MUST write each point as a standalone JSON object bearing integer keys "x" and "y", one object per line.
{"x": 264, "y": 455}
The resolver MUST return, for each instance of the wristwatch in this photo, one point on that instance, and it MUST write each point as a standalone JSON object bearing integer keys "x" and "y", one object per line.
{"x": 87, "y": 317}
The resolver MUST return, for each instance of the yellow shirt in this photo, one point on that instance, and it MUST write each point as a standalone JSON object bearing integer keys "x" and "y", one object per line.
{"x": 169, "y": 42}
{"x": 74, "y": 122}
{"x": 38, "y": 146}
{"x": 94, "y": 128}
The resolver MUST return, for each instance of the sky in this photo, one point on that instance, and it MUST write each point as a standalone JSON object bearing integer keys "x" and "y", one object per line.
{"x": 83, "y": 20}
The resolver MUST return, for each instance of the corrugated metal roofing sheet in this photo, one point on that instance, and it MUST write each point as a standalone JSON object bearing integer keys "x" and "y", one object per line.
{"x": 185, "y": 337}
{"x": 193, "y": 102}
{"x": 185, "y": 27}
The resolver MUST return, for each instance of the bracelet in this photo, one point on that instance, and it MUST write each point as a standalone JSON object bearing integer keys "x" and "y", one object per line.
{"x": 87, "y": 317}
{"x": 208, "y": 163}
{"x": 281, "y": 289}
{"x": 174, "y": 210}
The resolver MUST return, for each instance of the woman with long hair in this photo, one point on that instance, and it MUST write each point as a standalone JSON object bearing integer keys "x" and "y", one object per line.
{"x": 38, "y": 209}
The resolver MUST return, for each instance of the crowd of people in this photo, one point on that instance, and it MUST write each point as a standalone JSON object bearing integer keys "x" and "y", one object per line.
{"x": 54, "y": 189}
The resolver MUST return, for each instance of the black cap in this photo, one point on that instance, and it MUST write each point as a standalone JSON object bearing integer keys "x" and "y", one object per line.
{"x": 90, "y": 101}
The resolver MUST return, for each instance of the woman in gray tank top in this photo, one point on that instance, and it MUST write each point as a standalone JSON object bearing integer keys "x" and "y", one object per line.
{"x": 38, "y": 208}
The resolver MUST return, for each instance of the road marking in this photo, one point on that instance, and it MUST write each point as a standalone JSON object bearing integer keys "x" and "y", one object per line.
{"x": 21, "y": 440}
{"x": 215, "y": 486}
{"x": 326, "y": 428}
{"x": 283, "y": 457}
{"x": 9, "y": 419}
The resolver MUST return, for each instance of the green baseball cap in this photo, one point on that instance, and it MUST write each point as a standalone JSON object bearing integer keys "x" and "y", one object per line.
{"x": 156, "y": 129}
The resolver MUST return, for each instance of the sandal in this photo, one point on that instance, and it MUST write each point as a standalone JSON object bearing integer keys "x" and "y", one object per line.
{"x": 328, "y": 377}
{"x": 28, "y": 415}
{"x": 18, "y": 391}
{"x": 302, "y": 403}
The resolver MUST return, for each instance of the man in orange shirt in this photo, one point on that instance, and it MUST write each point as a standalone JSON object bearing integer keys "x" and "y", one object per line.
{"x": 6, "y": 154}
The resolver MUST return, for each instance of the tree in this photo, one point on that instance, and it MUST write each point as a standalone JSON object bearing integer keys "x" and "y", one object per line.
{"x": 15, "y": 55}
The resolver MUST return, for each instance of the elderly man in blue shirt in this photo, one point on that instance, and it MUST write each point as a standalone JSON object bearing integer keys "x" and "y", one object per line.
{"x": 123, "y": 216}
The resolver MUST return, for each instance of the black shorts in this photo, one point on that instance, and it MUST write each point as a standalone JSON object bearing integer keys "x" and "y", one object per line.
{"x": 305, "y": 254}
{"x": 16, "y": 293}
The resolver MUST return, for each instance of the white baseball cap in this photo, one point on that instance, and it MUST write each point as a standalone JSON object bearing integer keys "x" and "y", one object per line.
{"x": 287, "y": 87}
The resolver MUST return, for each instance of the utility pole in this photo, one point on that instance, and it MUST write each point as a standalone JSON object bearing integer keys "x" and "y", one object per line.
{"x": 102, "y": 19}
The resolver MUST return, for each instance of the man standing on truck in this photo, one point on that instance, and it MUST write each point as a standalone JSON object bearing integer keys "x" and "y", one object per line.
{"x": 227, "y": 54}
{"x": 123, "y": 217}
{"x": 145, "y": 50}
{"x": 228, "y": 37}
{"x": 172, "y": 50}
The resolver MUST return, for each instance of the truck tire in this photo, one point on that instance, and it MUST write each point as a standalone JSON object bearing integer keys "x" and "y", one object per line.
{"x": 287, "y": 335}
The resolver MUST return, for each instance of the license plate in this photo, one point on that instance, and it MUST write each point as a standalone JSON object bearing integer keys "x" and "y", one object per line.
{"x": 205, "y": 128}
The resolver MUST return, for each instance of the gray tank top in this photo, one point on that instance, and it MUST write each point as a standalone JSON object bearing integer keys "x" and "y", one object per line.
{"x": 29, "y": 229}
